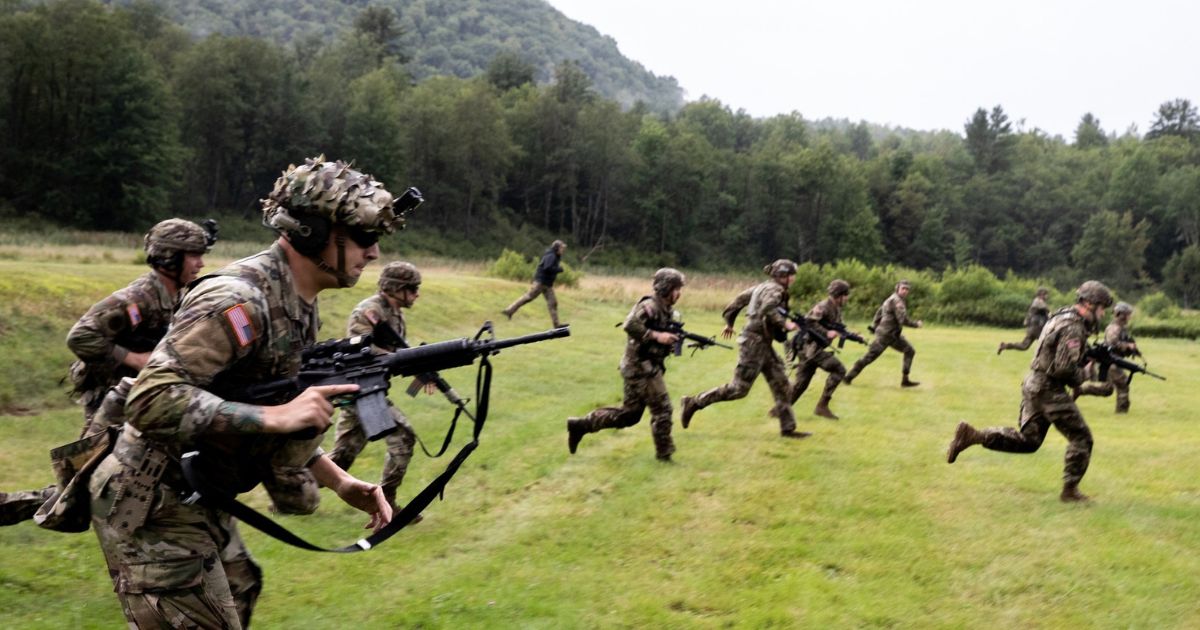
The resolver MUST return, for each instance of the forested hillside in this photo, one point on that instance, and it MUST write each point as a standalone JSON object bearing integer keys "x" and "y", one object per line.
{"x": 113, "y": 118}
{"x": 444, "y": 37}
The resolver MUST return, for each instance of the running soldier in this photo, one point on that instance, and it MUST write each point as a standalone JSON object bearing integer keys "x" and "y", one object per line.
{"x": 1118, "y": 338}
{"x": 178, "y": 563}
{"x": 815, "y": 355}
{"x": 1035, "y": 320}
{"x": 543, "y": 283}
{"x": 399, "y": 288}
{"x": 890, "y": 320}
{"x": 642, "y": 368}
{"x": 766, "y": 305}
{"x": 1057, "y": 364}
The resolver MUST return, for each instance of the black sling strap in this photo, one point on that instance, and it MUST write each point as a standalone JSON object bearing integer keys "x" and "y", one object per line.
{"x": 214, "y": 498}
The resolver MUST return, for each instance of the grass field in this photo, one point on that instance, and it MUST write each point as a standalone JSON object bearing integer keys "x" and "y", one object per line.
{"x": 862, "y": 525}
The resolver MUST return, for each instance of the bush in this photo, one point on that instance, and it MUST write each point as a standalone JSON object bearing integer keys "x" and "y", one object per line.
{"x": 513, "y": 266}
{"x": 1158, "y": 306}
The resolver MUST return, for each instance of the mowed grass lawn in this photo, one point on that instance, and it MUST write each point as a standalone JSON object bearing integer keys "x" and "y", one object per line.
{"x": 864, "y": 524}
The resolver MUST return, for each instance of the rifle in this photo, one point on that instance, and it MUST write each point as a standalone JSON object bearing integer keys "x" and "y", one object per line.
{"x": 698, "y": 342}
{"x": 844, "y": 334}
{"x": 351, "y": 360}
{"x": 1104, "y": 355}
{"x": 795, "y": 345}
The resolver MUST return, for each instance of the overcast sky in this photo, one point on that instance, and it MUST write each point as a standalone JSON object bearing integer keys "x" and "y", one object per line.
{"x": 923, "y": 64}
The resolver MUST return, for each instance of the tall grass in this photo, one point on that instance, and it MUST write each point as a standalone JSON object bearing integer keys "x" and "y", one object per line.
{"x": 862, "y": 525}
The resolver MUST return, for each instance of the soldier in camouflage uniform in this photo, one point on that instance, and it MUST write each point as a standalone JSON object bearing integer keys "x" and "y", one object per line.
{"x": 1117, "y": 337}
{"x": 642, "y": 367}
{"x": 543, "y": 283}
{"x": 1057, "y": 364}
{"x": 1035, "y": 320}
{"x": 114, "y": 338}
{"x": 180, "y": 564}
{"x": 766, "y": 305}
{"x": 890, "y": 320}
{"x": 814, "y": 355}
{"x": 399, "y": 287}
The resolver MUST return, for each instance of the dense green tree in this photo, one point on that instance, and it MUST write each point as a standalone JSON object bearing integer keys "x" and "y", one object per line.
{"x": 1181, "y": 276}
{"x": 989, "y": 139}
{"x": 1177, "y": 117}
{"x": 1088, "y": 133}
{"x": 508, "y": 70}
{"x": 374, "y": 125}
{"x": 380, "y": 26}
{"x": 1112, "y": 249}
{"x": 1180, "y": 190}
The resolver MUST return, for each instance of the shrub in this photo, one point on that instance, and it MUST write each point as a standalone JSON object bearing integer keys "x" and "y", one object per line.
{"x": 1158, "y": 306}
{"x": 513, "y": 266}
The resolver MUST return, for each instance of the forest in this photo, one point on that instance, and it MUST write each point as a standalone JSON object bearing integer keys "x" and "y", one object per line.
{"x": 114, "y": 116}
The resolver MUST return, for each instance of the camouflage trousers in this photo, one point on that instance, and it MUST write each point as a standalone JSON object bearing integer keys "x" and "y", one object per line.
{"x": 181, "y": 566}
{"x": 1031, "y": 335}
{"x": 1118, "y": 381}
{"x": 640, "y": 392}
{"x": 17, "y": 507}
{"x": 351, "y": 439}
{"x": 878, "y": 345}
{"x": 824, "y": 360}
{"x": 1041, "y": 408}
{"x": 535, "y": 290}
{"x": 755, "y": 356}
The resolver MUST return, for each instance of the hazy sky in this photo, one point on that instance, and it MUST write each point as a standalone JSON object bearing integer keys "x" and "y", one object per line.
{"x": 923, "y": 64}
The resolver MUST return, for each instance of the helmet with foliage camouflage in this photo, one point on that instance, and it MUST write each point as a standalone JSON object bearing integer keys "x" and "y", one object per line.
{"x": 333, "y": 191}
{"x": 168, "y": 240}
{"x": 838, "y": 288}
{"x": 1095, "y": 292}
{"x": 667, "y": 280}
{"x": 1123, "y": 308}
{"x": 781, "y": 267}
{"x": 397, "y": 276}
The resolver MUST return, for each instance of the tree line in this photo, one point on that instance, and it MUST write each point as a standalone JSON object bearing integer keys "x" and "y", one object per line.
{"x": 113, "y": 117}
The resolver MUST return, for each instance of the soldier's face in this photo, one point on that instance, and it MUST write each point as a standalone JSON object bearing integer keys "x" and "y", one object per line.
{"x": 192, "y": 264}
{"x": 357, "y": 257}
{"x": 902, "y": 290}
{"x": 674, "y": 296}
{"x": 841, "y": 299}
{"x": 408, "y": 295}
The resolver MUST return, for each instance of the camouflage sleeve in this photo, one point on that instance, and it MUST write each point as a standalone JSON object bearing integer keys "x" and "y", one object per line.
{"x": 1112, "y": 336}
{"x": 91, "y": 338}
{"x": 361, "y": 322}
{"x": 635, "y": 323}
{"x": 815, "y": 316}
{"x": 1068, "y": 356}
{"x": 733, "y": 308}
{"x": 169, "y": 402}
{"x": 901, "y": 311}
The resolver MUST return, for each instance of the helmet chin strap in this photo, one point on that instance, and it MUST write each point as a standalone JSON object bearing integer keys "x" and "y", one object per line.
{"x": 344, "y": 279}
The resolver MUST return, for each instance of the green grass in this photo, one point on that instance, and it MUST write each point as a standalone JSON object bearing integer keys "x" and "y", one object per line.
{"x": 863, "y": 524}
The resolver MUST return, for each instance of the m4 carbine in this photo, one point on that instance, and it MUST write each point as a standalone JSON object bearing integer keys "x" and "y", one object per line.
{"x": 698, "y": 342}
{"x": 351, "y": 360}
{"x": 1104, "y": 356}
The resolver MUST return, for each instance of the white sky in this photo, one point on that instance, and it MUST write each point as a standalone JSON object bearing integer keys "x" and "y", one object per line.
{"x": 923, "y": 64}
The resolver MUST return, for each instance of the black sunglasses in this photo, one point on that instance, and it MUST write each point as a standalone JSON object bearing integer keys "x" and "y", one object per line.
{"x": 363, "y": 238}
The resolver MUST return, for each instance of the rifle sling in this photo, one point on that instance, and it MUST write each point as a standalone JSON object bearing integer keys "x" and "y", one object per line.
{"x": 215, "y": 499}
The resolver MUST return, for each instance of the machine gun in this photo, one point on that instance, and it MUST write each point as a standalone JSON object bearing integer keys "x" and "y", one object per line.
{"x": 1104, "y": 356}
{"x": 351, "y": 360}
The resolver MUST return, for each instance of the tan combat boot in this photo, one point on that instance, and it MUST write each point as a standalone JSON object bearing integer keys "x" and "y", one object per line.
{"x": 965, "y": 435}
{"x": 822, "y": 409}
{"x": 688, "y": 406}
{"x": 1071, "y": 494}
{"x": 574, "y": 434}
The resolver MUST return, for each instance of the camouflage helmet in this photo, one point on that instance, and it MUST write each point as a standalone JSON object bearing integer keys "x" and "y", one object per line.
{"x": 1043, "y": 291}
{"x": 1095, "y": 292}
{"x": 330, "y": 190}
{"x": 667, "y": 280}
{"x": 781, "y": 267}
{"x": 838, "y": 288}
{"x": 1123, "y": 308}
{"x": 174, "y": 236}
{"x": 396, "y": 276}
{"x": 903, "y": 283}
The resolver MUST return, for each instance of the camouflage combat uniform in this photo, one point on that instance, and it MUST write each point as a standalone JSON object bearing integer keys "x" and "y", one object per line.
{"x": 642, "y": 367}
{"x": 350, "y": 436}
{"x": 764, "y": 323}
{"x": 543, "y": 284}
{"x": 180, "y": 564}
{"x": 814, "y": 355}
{"x": 132, "y": 319}
{"x": 1046, "y": 401}
{"x": 1117, "y": 337}
{"x": 889, "y": 328}
{"x": 1035, "y": 320}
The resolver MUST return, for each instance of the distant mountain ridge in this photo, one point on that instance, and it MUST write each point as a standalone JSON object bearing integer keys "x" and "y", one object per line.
{"x": 452, "y": 37}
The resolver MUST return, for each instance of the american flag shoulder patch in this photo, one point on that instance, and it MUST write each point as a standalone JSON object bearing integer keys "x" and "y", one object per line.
{"x": 372, "y": 316}
{"x": 134, "y": 313}
{"x": 239, "y": 320}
